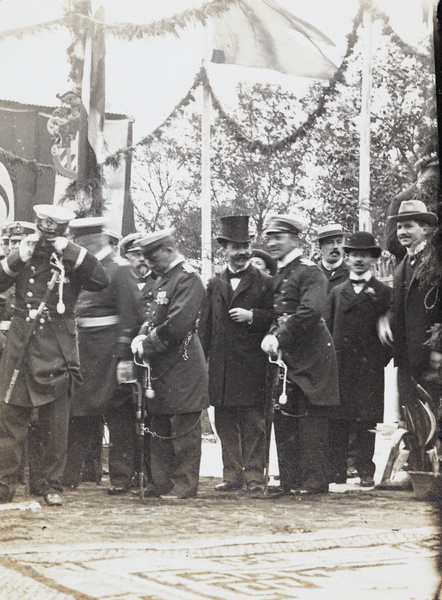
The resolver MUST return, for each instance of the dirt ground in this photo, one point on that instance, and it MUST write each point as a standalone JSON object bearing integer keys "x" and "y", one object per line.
{"x": 90, "y": 515}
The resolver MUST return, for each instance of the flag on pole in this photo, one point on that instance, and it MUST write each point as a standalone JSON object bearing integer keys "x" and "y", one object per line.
{"x": 93, "y": 87}
{"x": 260, "y": 33}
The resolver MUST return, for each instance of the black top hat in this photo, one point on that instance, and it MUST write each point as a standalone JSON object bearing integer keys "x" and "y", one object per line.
{"x": 270, "y": 263}
{"x": 363, "y": 240}
{"x": 235, "y": 229}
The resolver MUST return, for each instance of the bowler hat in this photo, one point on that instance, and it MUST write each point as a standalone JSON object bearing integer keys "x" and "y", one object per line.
{"x": 284, "y": 224}
{"x": 154, "y": 240}
{"x": 363, "y": 240}
{"x": 270, "y": 263}
{"x": 330, "y": 230}
{"x": 414, "y": 210}
{"x": 235, "y": 229}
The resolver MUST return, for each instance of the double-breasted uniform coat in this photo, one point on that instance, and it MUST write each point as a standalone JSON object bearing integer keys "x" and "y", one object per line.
{"x": 51, "y": 363}
{"x": 238, "y": 370}
{"x": 308, "y": 351}
{"x": 179, "y": 379}
{"x": 352, "y": 319}
{"x": 107, "y": 322}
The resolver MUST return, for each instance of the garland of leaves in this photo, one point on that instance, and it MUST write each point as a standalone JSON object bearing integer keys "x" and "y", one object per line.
{"x": 11, "y": 159}
{"x": 115, "y": 159}
{"x": 129, "y": 31}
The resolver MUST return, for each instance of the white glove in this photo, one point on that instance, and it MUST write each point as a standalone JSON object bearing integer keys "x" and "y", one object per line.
{"x": 270, "y": 344}
{"x": 27, "y": 246}
{"x": 384, "y": 331}
{"x": 137, "y": 345}
{"x": 125, "y": 371}
{"x": 60, "y": 244}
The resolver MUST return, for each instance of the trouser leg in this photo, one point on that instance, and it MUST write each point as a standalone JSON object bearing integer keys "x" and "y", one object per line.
{"x": 54, "y": 424}
{"x": 287, "y": 447}
{"x": 253, "y": 437}
{"x": 228, "y": 430}
{"x": 121, "y": 424}
{"x": 13, "y": 431}
{"x": 313, "y": 430}
{"x": 93, "y": 461}
{"x": 339, "y": 435}
{"x": 161, "y": 454}
{"x": 175, "y": 462}
{"x": 81, "y": 430}
{"x": 364, "y": 448}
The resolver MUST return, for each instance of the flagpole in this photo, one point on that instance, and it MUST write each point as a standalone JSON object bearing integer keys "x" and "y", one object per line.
{"x": 365, "y": 222}
{"x": 206, "y": 221}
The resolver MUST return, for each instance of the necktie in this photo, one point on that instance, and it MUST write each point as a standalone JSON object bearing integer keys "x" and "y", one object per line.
{"x": 236, "y": 275}
{"x": 357, "y": 281}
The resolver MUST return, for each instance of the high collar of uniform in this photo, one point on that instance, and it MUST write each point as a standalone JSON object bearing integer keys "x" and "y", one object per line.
{"x": 290, "y": 257}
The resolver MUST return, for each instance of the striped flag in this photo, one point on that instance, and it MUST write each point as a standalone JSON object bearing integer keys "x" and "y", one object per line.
{"x": 260, "y": 33}
{"x": 93, "y": 87}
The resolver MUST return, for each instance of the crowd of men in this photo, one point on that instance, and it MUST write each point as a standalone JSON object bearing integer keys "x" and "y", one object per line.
{"x": 96, "y": 330}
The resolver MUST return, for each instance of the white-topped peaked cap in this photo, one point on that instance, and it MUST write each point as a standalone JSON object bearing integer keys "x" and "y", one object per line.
{"x": 157, "y": 238}
{"x": 58, "y": 214}
{"x": 284, "y": 224}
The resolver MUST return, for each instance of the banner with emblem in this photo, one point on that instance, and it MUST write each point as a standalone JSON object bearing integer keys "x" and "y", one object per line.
{"x": 23, "y": 133}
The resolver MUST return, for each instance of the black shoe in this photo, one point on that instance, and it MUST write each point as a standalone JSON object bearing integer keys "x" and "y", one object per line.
{"x": 352, "y": 473}
{"x": 228, "y": 486}
{"x": 323, "y": 489}
{"x": 255, "y": 491}
{"x": 367, "y": 481}
{"x": 117, "y": 491}
{"x": 6, "y": 495}
{"x": 53, "y": 499}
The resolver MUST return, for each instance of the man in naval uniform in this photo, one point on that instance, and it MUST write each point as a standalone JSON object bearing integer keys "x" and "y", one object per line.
{"x": 169, "y": 343}
{"x": 300, "y": 335}
{"x": 50, "y": 362}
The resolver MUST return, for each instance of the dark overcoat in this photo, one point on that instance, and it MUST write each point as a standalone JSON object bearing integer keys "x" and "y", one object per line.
{"x": 102, "y": 346}
{"x": 172, "y": 346}
{"x": 352, "y": 319}
{"x": 237, "y": 365}
{"x": 416, "y": 306}
{"x": 335, "y": 276}
{"x": 306, "y": 344}
{"x": 51, "y": 362}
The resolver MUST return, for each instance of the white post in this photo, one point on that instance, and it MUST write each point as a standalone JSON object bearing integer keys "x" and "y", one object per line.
{"x": 365, "y": 223}
{"x": 206, "y": 222}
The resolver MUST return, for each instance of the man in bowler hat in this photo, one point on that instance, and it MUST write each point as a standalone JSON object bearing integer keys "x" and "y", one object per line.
{"x": 354, "y": 309}
{"x": 235, "y": 318}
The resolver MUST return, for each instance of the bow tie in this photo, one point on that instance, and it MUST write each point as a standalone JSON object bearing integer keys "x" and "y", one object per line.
{"x": 236, "y": 275}
{"x": 358, "y": 281}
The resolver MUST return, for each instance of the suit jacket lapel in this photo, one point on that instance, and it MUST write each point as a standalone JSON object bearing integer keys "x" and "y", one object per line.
{"x": 225, "y": 286}
{"x": 244, "y": 283}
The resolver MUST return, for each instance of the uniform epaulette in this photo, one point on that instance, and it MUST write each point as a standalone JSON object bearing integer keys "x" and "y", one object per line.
{"x": 187, "y": 268}
{"x": 307, "y": 261}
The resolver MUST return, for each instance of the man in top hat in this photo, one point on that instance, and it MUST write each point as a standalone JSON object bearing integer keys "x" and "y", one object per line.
{"x": 107, "y": 322}
{"x": 169, "y": 343}
{"x": 354, "y": 309}
{"x": 299, "y": 334}
{"x": 331, "y": 242}
{"x": 416, "y": 304}
{"x": 39, "y": 371}
{"x": 233, "y": 322}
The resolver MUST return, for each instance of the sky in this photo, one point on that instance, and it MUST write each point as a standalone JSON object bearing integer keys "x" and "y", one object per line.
{"x": 146, "y": 79}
